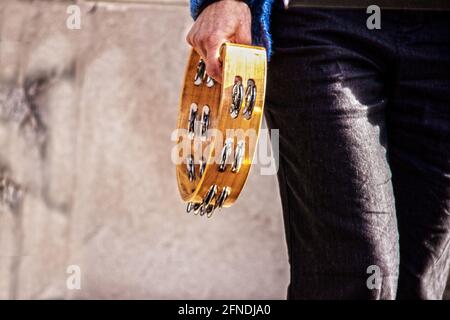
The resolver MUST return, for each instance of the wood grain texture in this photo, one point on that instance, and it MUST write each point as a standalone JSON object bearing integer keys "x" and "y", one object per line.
{"x": 247, "y": 62}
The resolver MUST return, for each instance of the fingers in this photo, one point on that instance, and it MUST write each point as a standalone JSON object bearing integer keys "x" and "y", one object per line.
{"x": 213, "y": 65}
{"x": 193, "y": 38}
{"x": 207, "y": 45}
{"x": 219, "y": 22}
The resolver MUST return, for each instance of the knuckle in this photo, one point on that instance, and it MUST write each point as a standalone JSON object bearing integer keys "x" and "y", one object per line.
{"x": 210, "y": 40}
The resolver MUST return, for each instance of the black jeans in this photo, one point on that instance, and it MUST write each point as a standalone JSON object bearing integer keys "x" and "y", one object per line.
{"x": 364, "y": 123}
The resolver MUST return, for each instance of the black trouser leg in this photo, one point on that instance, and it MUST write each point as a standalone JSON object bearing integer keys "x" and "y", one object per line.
{"x": 332, "y": 93}
{"x": 419, "y": 152}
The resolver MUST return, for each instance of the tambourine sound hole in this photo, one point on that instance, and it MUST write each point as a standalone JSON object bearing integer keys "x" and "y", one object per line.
{"x": 250, "y": 99}
{"x": 237, "y": 96}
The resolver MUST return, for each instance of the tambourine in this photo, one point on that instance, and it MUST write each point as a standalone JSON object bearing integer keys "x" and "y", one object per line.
{"x": 218, "y": 127}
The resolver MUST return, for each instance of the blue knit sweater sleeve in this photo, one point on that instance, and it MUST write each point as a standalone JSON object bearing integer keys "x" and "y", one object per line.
{"x": 260, "y": 10}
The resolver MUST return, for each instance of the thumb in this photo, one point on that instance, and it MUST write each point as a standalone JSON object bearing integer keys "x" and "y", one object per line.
{"x": 243, "y": 35}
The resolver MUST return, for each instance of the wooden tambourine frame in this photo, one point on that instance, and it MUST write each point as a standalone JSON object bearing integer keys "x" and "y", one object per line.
{"x": 218, "y": 127}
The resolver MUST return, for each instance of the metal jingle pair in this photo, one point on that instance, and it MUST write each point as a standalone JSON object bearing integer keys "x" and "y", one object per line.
{"x": 206, "y": 206}
{"x": 239, "y": 154}
{"x": 238, "y": 97}
{"x": 201, "y": 76}
{"x": 190, "y": 167}
{"x": 204, "y": 120}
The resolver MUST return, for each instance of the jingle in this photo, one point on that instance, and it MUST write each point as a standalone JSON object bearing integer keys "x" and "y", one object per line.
{"x": 225, "y": 154}
{"x": 191, "y": 120}
{"x": 210, "y": 210}
{"x": 200, "y": 74}
{"x": 190, "y": 167}
{"x": 237, "y": 95}
{"x": 238, "y": 156}
{"x": 210, "y": 195}
{"x": 206, "y": 206}
{"x": 204, "y": 122}
{"x": 209, "y": 82}
{"x": 222, "y": 197}
{"x": 197, "y": 207}
{"x": 250, "y": 98}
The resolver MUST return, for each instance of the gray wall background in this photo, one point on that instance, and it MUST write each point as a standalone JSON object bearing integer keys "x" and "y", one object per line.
{"x": 85, "y": 123}
{"x": 85, "y": 171}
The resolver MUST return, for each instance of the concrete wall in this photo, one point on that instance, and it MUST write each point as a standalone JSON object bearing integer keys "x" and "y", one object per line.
{"x": 85, "y": 171}
{"x": 85, "y": 123}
